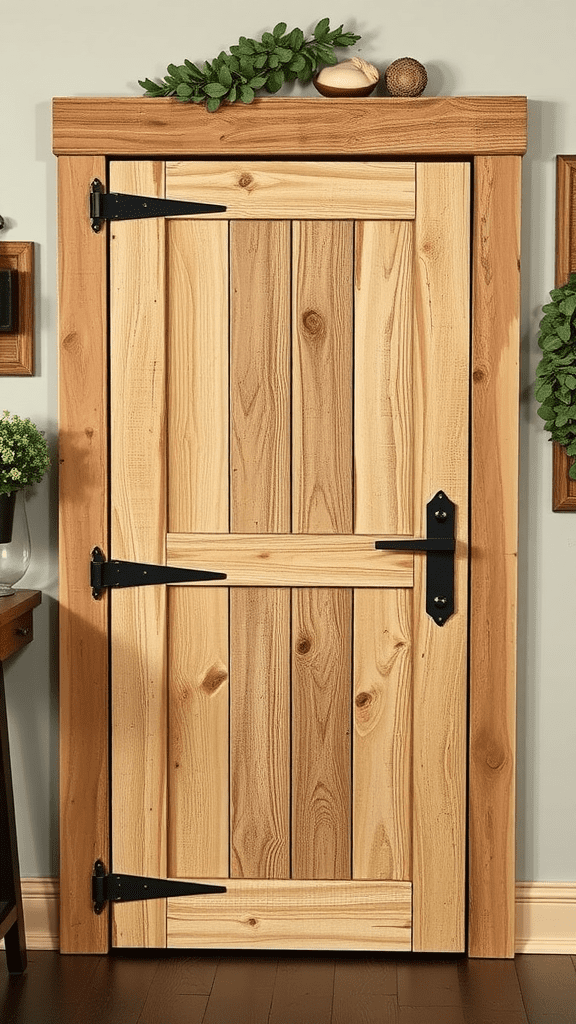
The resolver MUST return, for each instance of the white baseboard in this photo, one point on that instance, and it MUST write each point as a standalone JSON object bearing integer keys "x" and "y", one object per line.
{"x": 545, "y": 915}
{"x": 40, "y": 899}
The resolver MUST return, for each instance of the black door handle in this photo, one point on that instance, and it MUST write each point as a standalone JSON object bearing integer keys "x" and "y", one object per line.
{"x": 439, "y": 547}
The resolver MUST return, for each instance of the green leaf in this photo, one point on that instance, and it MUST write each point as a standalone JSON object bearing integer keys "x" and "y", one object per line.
{"x": 572, "y": 471}
{"x": 551, "y": 343}
{"x": 176, "y": 72}
{"x": 247, "y": 67}
{"x": 322, "y": 28}
{"x": 268, "y": 40}
{"x": 215, "y": 90}
{"x": 297, "y": 64}
{"x": 557, "y": 295}
{"x": 184, "y": 91}
{"x": 194, "y": 71}
{"x": 275, "y": 81}
{"x": 153, "y": 89}
{"x": 571, "y": 448}
{"x": 273, "y": 60}
{"x": 246, "y": 94}
{"x": 232, "y": 94}
{"x": 328, "y": 57}
{"x": 284, "y": 54}
{"x": 261, "y": 60}
{"x": 564, "y": 332}
{"x": 224, "y": 77}
{"x": 296, "y": 39}
{"x": 258, "y": 82}
{"x": 568, "y": 306}
{"x": 546, "y": 412}
{"x": 212, "y": 104}
{"x": 279, "y": 29}
{"x": 543, "y": 392}
{"x": 346, "y": 39}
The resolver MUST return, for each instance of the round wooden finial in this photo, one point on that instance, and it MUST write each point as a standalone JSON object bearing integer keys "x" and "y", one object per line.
{"x": 406, "y": 77}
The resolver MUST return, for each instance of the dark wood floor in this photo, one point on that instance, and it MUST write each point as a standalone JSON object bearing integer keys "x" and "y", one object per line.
{"x": 267, "y": 988}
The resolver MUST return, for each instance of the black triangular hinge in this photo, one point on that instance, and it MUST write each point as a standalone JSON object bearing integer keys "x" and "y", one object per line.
{"x": 119, "y": 574}
{"x": 117, "y": 206}
{"x": 131, "y": 888}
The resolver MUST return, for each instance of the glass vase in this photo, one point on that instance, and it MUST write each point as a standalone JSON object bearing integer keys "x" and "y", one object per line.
{"x": 15, "y": 554}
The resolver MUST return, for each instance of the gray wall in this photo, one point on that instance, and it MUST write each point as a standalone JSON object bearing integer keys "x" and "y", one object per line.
{"x": 470, "y": 48}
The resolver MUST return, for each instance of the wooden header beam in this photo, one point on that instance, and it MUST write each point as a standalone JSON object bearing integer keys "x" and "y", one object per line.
{"x": 302, "y": 126}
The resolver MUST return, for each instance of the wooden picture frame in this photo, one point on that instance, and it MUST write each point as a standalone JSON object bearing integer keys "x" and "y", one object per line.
{"x": 17, "y": 347}
{"x": 563, "y": 487}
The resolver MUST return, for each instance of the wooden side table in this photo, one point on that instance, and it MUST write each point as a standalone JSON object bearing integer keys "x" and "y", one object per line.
{"x": 15, "y": 632}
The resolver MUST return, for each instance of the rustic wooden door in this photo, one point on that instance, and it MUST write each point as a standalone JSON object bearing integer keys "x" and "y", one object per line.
{"x": 289, "y": 384}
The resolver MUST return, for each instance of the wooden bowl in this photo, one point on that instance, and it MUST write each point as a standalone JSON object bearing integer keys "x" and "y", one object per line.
{"x": 333, "y": 90}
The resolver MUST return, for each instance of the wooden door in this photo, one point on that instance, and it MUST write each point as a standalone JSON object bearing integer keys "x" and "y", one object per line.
{"x": 289, "y": 385}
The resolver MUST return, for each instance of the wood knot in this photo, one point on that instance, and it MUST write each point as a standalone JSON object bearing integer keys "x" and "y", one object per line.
{"x": 252, "y": 921}
{"x": 478, "y": 376}
{"x": 363, "y": 700}
{"x": 213, "y": 679}
{"x": 245, "y": 180}
{"x": 303, "y": 645}
{"x": 313, "y": 323}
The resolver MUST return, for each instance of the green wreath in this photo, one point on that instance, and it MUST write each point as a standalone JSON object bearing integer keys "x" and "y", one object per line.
{"x": 556, "y": 372}
{"x": 252, "y": 65}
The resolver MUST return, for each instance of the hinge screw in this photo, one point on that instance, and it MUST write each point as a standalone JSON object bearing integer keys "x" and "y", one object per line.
{"x": 441, "y": 515}
{"x": 440, "y": 602}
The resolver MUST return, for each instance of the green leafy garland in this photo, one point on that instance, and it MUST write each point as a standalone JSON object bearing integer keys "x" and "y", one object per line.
{"x": 556, "y": 372}
{"x": 279, "y": 57}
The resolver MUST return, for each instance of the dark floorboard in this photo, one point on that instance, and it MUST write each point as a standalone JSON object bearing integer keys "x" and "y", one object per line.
{"x": 284, "y": 988}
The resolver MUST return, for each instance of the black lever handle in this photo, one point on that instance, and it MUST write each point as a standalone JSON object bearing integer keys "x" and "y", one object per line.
{"x": 431, "y": 544}
{"x": 439, "y": 547}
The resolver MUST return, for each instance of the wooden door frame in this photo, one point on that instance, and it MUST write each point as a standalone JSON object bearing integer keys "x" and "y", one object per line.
{"x": 491, "y": 133}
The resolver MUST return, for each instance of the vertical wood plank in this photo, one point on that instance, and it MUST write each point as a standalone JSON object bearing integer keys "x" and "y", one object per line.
{"x": 260, "y": 503}
{"x": 383, "y": 313}
{"x": 441, "y": 384}
{"x": 83, "y": 523}
{"x": 260, "y": 377}
{"x": 260, "y": 732}
{"x": 138, "y": 499}
{"x": 321, "y": 724}
{"x": 382, "y": 744}
{"x": 198, "y": 748}
{"x": 322, "y": 377}
{"x": 563, "y": 487}
{"x": 495, "y": 390}
{"x": 198, "y": 376}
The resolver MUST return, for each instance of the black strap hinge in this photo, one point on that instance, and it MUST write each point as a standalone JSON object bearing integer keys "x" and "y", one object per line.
{"x": 119, "y": 574}
{"x": 116, "y": 888}
{"x": 118, "y": 206}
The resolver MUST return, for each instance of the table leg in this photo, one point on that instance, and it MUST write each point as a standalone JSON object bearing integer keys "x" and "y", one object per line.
{"x": 10, "y": 891}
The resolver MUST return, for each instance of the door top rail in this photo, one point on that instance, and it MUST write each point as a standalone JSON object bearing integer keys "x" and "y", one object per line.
{"x": 287, "y": 126}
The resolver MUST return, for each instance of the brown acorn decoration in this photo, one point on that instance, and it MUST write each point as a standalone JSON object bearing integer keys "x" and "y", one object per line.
{"x": 406, "y": 77}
